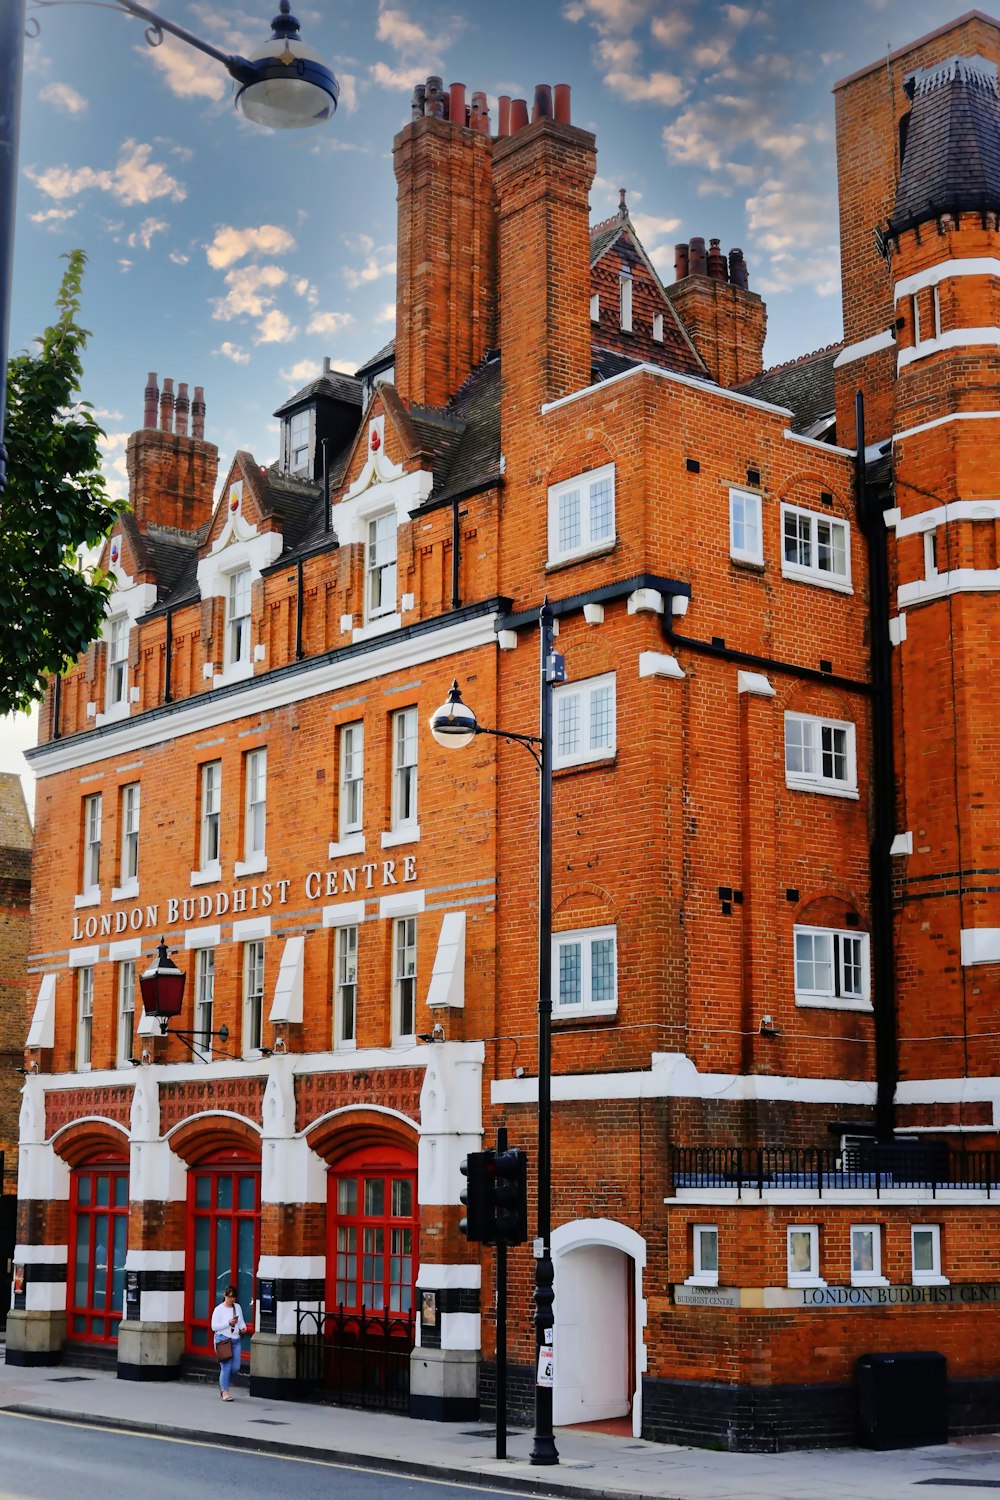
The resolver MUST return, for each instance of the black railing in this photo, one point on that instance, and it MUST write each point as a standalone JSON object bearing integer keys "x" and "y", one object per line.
{"x": 354, "y": 1358}
{"x": 858, "y": 1165}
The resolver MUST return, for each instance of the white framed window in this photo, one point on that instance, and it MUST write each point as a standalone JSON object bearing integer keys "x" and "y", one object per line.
{"x": 803, "y": 1255}
{"x": 585, "y": 971}
{"x": 831, "y": 968}
{"x": 595, "y": 307}
{"x": 404, "y": 768}
{"x": 925, "y": 1251}
{"x": 253, "y": 995}
{"x": 380, "y": 565}
{"x": 345, "y": 988}
{"x": 255, "y": 823}
{"x": 298, "y": 442}
{"x": 126, "y": 1012}
{"x": 931, "y": 553}
{"x": 915, "y": 314}
{"x": 117, "y": 661}
{"x": 582, "y": 514}
{"x": 584, "y": 721}
{"x": 746, "y": 541}
{"x": 625, "y": 300}
{"x": 936, "y": 305}
{"x": 238, "y": 617}
{"x": 92, "y": 815}
{"x": 866, "y": 1255}
{"x": 211, "y": 813}
{"x": 352, "y": 779}
{"x": 204, "y": 998}
{"x": 657, "y": 328}
{"x": 84, "y": 1017}
{"x": 820, "y": 755}
{"x": 404, "y": 979}
{"x": 704, "y": 1255}
{"x": 130, "y": 833}
{"x": 815, "y": 548}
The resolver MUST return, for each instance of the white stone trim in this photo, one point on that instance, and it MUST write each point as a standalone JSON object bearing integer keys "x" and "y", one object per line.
{"x": 267, "y": 693}
{"x": 292, "y": 1267}
{"x": 659, "y": 664}
{"x": 755, "y": 683}
{"x": 346, "y": 914}
{"x": 255, "y": 865}
{"x": 980, "y": 945}
{"x": 84, "y": 958}
{"x": 946, "y": 270}
{"x": 883, "y": 340}
{"x": 155, "y": 1260}
{"x": 406, "y": 833}
{"x": 209, "y": 875}
{"x": 460, "y": 1330}
{"x": 127, "y": 892}
{"x": 897, "y": 630}
{"x": 286, "y": 1006}
{"x": 42, "y": 1031}
{"x": 121, "y": 952}
{"x": 959, "y": 581}
{"x": 800, "y": 437}
{"x": 251, "y": 929}
{"x": 704, "y": 387}
{"x": 507, "y": 640}
{"x": 203, "y": 937}
{"x": 592, "y": 613}
{"x": 645, "y": 601}
{"x": 354, "y": 843}
{"x": 90, "y": 897}
{"x": 902, "y": 844}
{"x": 435, "y": 1278}
{"x": 447, "y": 986}
{"x": 954, "y": 416}
{"x": 41, "y": 1255}
{"x": 955, "y": 338}
{"x": 405, "y": 904}
{"x": 940, "y": 515}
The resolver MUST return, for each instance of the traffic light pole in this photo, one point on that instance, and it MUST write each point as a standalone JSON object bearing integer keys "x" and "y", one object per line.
{"x": 501, "y": 1325}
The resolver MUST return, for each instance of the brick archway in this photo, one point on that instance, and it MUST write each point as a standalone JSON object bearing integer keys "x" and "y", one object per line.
{"x": 207, "y": 1134}
{"x": 84, "y": 1139}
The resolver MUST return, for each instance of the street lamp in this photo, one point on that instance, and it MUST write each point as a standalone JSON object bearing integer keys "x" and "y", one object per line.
{"x": 455, "y": 725}
{"x": 283, "y": 85}
{"x": 162, "y": 990}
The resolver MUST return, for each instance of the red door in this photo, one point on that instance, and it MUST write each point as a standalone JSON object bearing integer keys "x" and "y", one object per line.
{"x": 373, "y": 1246}
{"x": 223, "y": 1242}
{"x": 98, "y": 1240}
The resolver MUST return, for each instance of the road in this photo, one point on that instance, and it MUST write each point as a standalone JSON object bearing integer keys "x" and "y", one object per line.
{"x": 42, "y": 1459}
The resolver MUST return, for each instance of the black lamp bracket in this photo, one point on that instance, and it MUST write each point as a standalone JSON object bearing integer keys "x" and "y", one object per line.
{"x": 237, "y": 67}
{"x": 186, "y": 1036}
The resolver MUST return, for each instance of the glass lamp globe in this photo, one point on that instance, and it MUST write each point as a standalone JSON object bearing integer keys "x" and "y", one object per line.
{"x": 454, "y": 724}
{"x": 292, "y": 87}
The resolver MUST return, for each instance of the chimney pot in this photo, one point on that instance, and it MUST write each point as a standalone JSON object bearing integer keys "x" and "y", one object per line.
{"x": 681, "y": 258}
{"x": 456, "y": 104}
{"x": 198, "y": 412}
{"x": 716, "y": 261}
{"x": 167, "y": 405}
{"x": 542, "y": 109}
{"x": 480, "y": 113}
{"x": 738, "y": 275}
{"x": 561, "y": 95}
{"x": 434, "y": 98}
{"x": 151, "y": 398}
{"x": 698, "y": 260}
{"x": 417, "y": 102}
{"x": 181, "y": 408}
{"x": 518, "y": 115}
{"x": 503, "y": 115}
{"x": 326, "y": 365}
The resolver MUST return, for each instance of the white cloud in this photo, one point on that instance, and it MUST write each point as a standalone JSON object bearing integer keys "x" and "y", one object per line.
{"x": 651, "y": 228}
{"x": 348, "y": 92}
{"x": 275, "y": 328}
{"x": 399, "y": 78}
{"x": 64, "y": 97}
{"x": 134, "y": 179}
{"x": 379, "y": 261}
{"x": 418, "y": 52}
{"x": 670, "y": 30}
{"x": 303, "y": 287}
{"x": 249, "y": 292}
{"x": 329, "y": 322}
{"x": 126, "y": 265}
{"x": 618, "y": 60}
{"x": 144, "y": 234}
{"x": 790, "y": 224}
{"x": 396, "y": 28}
{"x": 105, "y": 414}
{"x": 187, "y": 73}
{"x": 231, "y": 244}
{"x": 53, "y": 217}
{"x": 233, "y": 351}
{"x": 179, "y": 258}
{"x": 301, "y": 373}
{"x": 621, "y": 16}
{"x": 112, "y": 447}
{"x": 386, "y": 313}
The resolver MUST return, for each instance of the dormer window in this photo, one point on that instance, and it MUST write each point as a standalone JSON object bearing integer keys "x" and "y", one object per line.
{"x": 380, "y": 561}
{"x": 117, "y": 661}
{"x": 298, "y": 442}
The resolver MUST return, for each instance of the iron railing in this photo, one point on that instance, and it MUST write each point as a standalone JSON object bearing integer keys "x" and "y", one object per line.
{"x": 862, "y": 1165}
{"x": 354, "y": 1358}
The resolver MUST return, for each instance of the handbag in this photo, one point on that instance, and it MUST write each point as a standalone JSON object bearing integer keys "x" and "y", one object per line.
{"x": 223, "y": 1348}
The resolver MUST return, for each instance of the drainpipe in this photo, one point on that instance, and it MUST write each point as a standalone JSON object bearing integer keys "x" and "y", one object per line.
{"x": 872, "y": 523}
{"x": 168, "y": 695}
{"x": 299, "y": 653}
{"x": 326, "y": 490}
{"x": 456, "y": 598}
{"x": 56, "y": 704}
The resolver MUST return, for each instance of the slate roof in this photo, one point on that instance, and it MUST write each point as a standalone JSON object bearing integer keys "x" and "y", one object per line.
{"x": 174, "y": 562}
{"x": 952, "y": 156}
{"x": 805, "y": 385}
{"x": 387, "y": 352}
{"x": 606, "y": 363}
{"x": 332, "y": 383}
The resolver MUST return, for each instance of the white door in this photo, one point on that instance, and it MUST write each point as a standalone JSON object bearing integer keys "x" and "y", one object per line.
{"x": 592, "y": 1335}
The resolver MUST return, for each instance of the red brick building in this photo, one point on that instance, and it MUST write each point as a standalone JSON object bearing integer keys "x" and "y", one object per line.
{"x": 776, "y": 930}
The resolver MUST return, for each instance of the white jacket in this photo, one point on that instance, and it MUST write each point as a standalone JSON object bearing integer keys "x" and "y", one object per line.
{"x": 222, "y": 1321}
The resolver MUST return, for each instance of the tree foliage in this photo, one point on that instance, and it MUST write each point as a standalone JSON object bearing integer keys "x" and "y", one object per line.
{"x": 54, "y": 511}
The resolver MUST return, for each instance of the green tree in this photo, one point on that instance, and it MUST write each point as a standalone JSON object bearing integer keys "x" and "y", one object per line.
{"x": 54, "y": 511}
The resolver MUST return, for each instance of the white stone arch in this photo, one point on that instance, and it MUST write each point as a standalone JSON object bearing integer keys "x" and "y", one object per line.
{"x": 578, "y": 1235}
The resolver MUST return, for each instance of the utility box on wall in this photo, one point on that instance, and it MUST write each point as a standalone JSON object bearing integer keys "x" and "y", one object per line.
{"x": 902, "y": 1400}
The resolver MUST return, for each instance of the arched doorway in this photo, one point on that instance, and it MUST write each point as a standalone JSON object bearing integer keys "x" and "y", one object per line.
{"x": 599, "y": 1352}
{"x": 223, "y": 1241}
{"x": 98, "y": 1237}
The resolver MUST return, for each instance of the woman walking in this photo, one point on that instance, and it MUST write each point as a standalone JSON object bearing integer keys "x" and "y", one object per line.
{"x": 228, "y": 1324}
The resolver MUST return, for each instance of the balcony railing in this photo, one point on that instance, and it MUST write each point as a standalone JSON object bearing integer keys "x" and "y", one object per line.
{"x": 867, "y": 1166}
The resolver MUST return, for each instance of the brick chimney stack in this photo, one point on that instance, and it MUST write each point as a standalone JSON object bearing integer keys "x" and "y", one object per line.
{"x": 725, "y": 321}
{"x": 171, "y": 475}
{"x": 446, "y": 243}
{"x": 542, "y": 172}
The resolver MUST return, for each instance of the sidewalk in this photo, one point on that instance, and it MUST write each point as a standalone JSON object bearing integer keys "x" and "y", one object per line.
{"x": 592, "y": 1463}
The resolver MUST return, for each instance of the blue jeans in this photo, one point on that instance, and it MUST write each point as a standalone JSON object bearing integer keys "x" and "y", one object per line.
{"x": 228, "y": 1368}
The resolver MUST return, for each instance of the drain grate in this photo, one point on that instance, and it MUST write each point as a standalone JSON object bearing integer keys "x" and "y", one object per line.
{"x": 68, "y": 1379}
{"x": 267, "y": 1422}
{"x": 492, "y": 1432}
{"x": 965, "y": 1484}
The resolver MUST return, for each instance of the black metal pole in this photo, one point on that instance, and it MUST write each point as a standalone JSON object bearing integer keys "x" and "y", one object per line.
{"x": 456, "y": 542}
{"x": 501, "y": 1326}
{"x": 544, "y": 1449}
{"x": 299, "y": 607}
{"x": 11, "y": 64}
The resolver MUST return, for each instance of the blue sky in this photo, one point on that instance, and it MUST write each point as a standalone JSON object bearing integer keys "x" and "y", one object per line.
{"x": 234, "y": 258}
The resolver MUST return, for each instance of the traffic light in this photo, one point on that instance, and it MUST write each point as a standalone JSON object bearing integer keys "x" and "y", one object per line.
{"x": 477, "y": 1195}
{"x": 510, "y": 1197}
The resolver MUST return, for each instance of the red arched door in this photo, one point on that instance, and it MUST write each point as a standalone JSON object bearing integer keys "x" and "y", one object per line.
{"x": 223, "y": 1241}
{"x": 98, "y": 1237}
{"x": 373, "y": 1245}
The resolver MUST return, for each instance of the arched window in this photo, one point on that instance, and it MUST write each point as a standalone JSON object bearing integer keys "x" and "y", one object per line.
{"x": 223, "y": 1241}
{"x": 98, "y": 1240}
{"x": 373, "y": 1249}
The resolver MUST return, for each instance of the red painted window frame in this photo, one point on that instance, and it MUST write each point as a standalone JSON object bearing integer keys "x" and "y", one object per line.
{"x": 220, "y": 1164}
{"x": 372, "y": 1161}
{"x": 101, "y": 1166}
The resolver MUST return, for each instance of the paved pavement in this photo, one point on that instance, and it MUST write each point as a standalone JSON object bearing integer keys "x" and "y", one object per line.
{"x": 592, "y": 1463}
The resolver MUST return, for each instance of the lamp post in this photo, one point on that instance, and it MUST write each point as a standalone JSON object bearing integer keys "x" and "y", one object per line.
{"x": 455, "y": 725}
{"x": 284, "y": 85}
